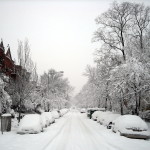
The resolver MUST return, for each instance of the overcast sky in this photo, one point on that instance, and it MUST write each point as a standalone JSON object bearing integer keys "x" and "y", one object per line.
{"x": 59, "y": 32}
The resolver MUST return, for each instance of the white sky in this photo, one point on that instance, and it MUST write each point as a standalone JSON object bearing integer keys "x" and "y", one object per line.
{"x": 59, "y": 32}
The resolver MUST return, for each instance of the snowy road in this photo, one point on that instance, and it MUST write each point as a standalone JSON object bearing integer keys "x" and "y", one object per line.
{"x": 74, "y": 131}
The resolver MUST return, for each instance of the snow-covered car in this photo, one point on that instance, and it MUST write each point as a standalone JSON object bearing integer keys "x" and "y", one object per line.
{"x": 90, "y": 111}
{"x": 63, "y": 111}
{"x": 17, "y": 115}
{"x": 96, "y": 114}
{"x": 55, "y": 114}
{"x": 101, "y": 116}
{"x": 109, "y": 120}
{"x": 44, "y": 119}
{"x": 30, "y": 123}
{"x": 47, "y": 119}
{"x": 131, "y": 126}
{"x": 50, "y": 117}
{"x": 82, "y": 110}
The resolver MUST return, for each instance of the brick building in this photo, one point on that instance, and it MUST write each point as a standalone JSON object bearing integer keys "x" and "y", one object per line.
{"x": 8, "y": 66}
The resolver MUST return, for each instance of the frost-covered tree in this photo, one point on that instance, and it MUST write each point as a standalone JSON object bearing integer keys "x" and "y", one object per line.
{"x": 5, "y": 99}
{"x": 114, "y": 25}
{"x": 122, "y": 82}
{"x": 56, "y": 90}
{"x": 26, "y": 77}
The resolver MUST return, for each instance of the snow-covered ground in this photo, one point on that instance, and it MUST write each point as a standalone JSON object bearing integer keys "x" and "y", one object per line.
{"x": 148, "y": 123}
{"x": 74, "y": 131}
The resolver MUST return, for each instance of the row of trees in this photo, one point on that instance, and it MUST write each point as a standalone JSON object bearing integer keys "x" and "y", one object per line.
{"x": 26, "y": 78}
{"x": 50, "y": 90}
{"x": 121, "y": 79}
{"x": 28, "y": 91}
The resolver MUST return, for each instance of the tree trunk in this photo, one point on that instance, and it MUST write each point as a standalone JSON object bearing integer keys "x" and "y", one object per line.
{"x": 121, "y": 108}
{"x": 136, "y": 104}
{"x": 141, "y": 41}
{"x": 121, "y": 101}
{"x": 19, "y": 117}
{"x": 99, "y": 103}
{"x": 106, "y": 104}
{"x": 139, "y": 101}
{"x": 110, "y": 105}
{"x": 124, "y": 56}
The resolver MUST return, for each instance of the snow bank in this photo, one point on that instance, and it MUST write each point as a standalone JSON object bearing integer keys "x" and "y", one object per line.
{"x": 30, "y": 124}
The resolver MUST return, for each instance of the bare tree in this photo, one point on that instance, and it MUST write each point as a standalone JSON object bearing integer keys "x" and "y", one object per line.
{"x": 26, "y": 75}
{"x": 113, "y": 27}
{"x": 141, "y": 20}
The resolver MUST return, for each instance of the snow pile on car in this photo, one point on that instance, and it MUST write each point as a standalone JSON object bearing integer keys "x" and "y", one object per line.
{"x": 101, "y": 116}
{"x": 131, "y": 126}
{"x": 110, "y": 118}
{"x": 96, "y": 114}
{"x": 63, "y": 111}
{"x": 47, "y": 119}
{"x": 55, "y": 114}
{"x": 44, "y": 120}
{"x": 130, "y": 122}
{"x": 31, "y": 123}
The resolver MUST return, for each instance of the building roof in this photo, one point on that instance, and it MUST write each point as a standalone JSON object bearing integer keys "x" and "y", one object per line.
{"x": 2, "y": 45}
{"x": 8, "y": 53}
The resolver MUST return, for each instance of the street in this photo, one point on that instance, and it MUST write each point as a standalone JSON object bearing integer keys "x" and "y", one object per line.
{"x": 74, "y": 131}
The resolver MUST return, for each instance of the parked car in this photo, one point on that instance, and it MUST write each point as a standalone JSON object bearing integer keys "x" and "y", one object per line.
{"x": 17, "y": 115}
{"x": 109, "y": 120}
{"x": 47, "y": 118}
{"x": 96, "y": 114}
{"x": 55, "y": 114}
{"x": 30, "y": 123}
{"x": 102, "y": 116}
{"x": 131, "y": 126}
{"x": 90, "y": 111}
{"x": 82, "y": 110}
{"x": 63, "y": 111}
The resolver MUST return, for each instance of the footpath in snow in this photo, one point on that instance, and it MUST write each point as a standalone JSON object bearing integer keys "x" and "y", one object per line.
{"x": 74, "y": 131}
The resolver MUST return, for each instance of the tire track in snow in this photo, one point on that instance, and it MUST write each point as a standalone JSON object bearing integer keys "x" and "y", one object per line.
{"x": 97, "y": 143}
{"x": 57, "y": 135}
{"x": 77, "y": 139}
{"x": 65, "y": 138}
{"x": 105, "y": 141}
